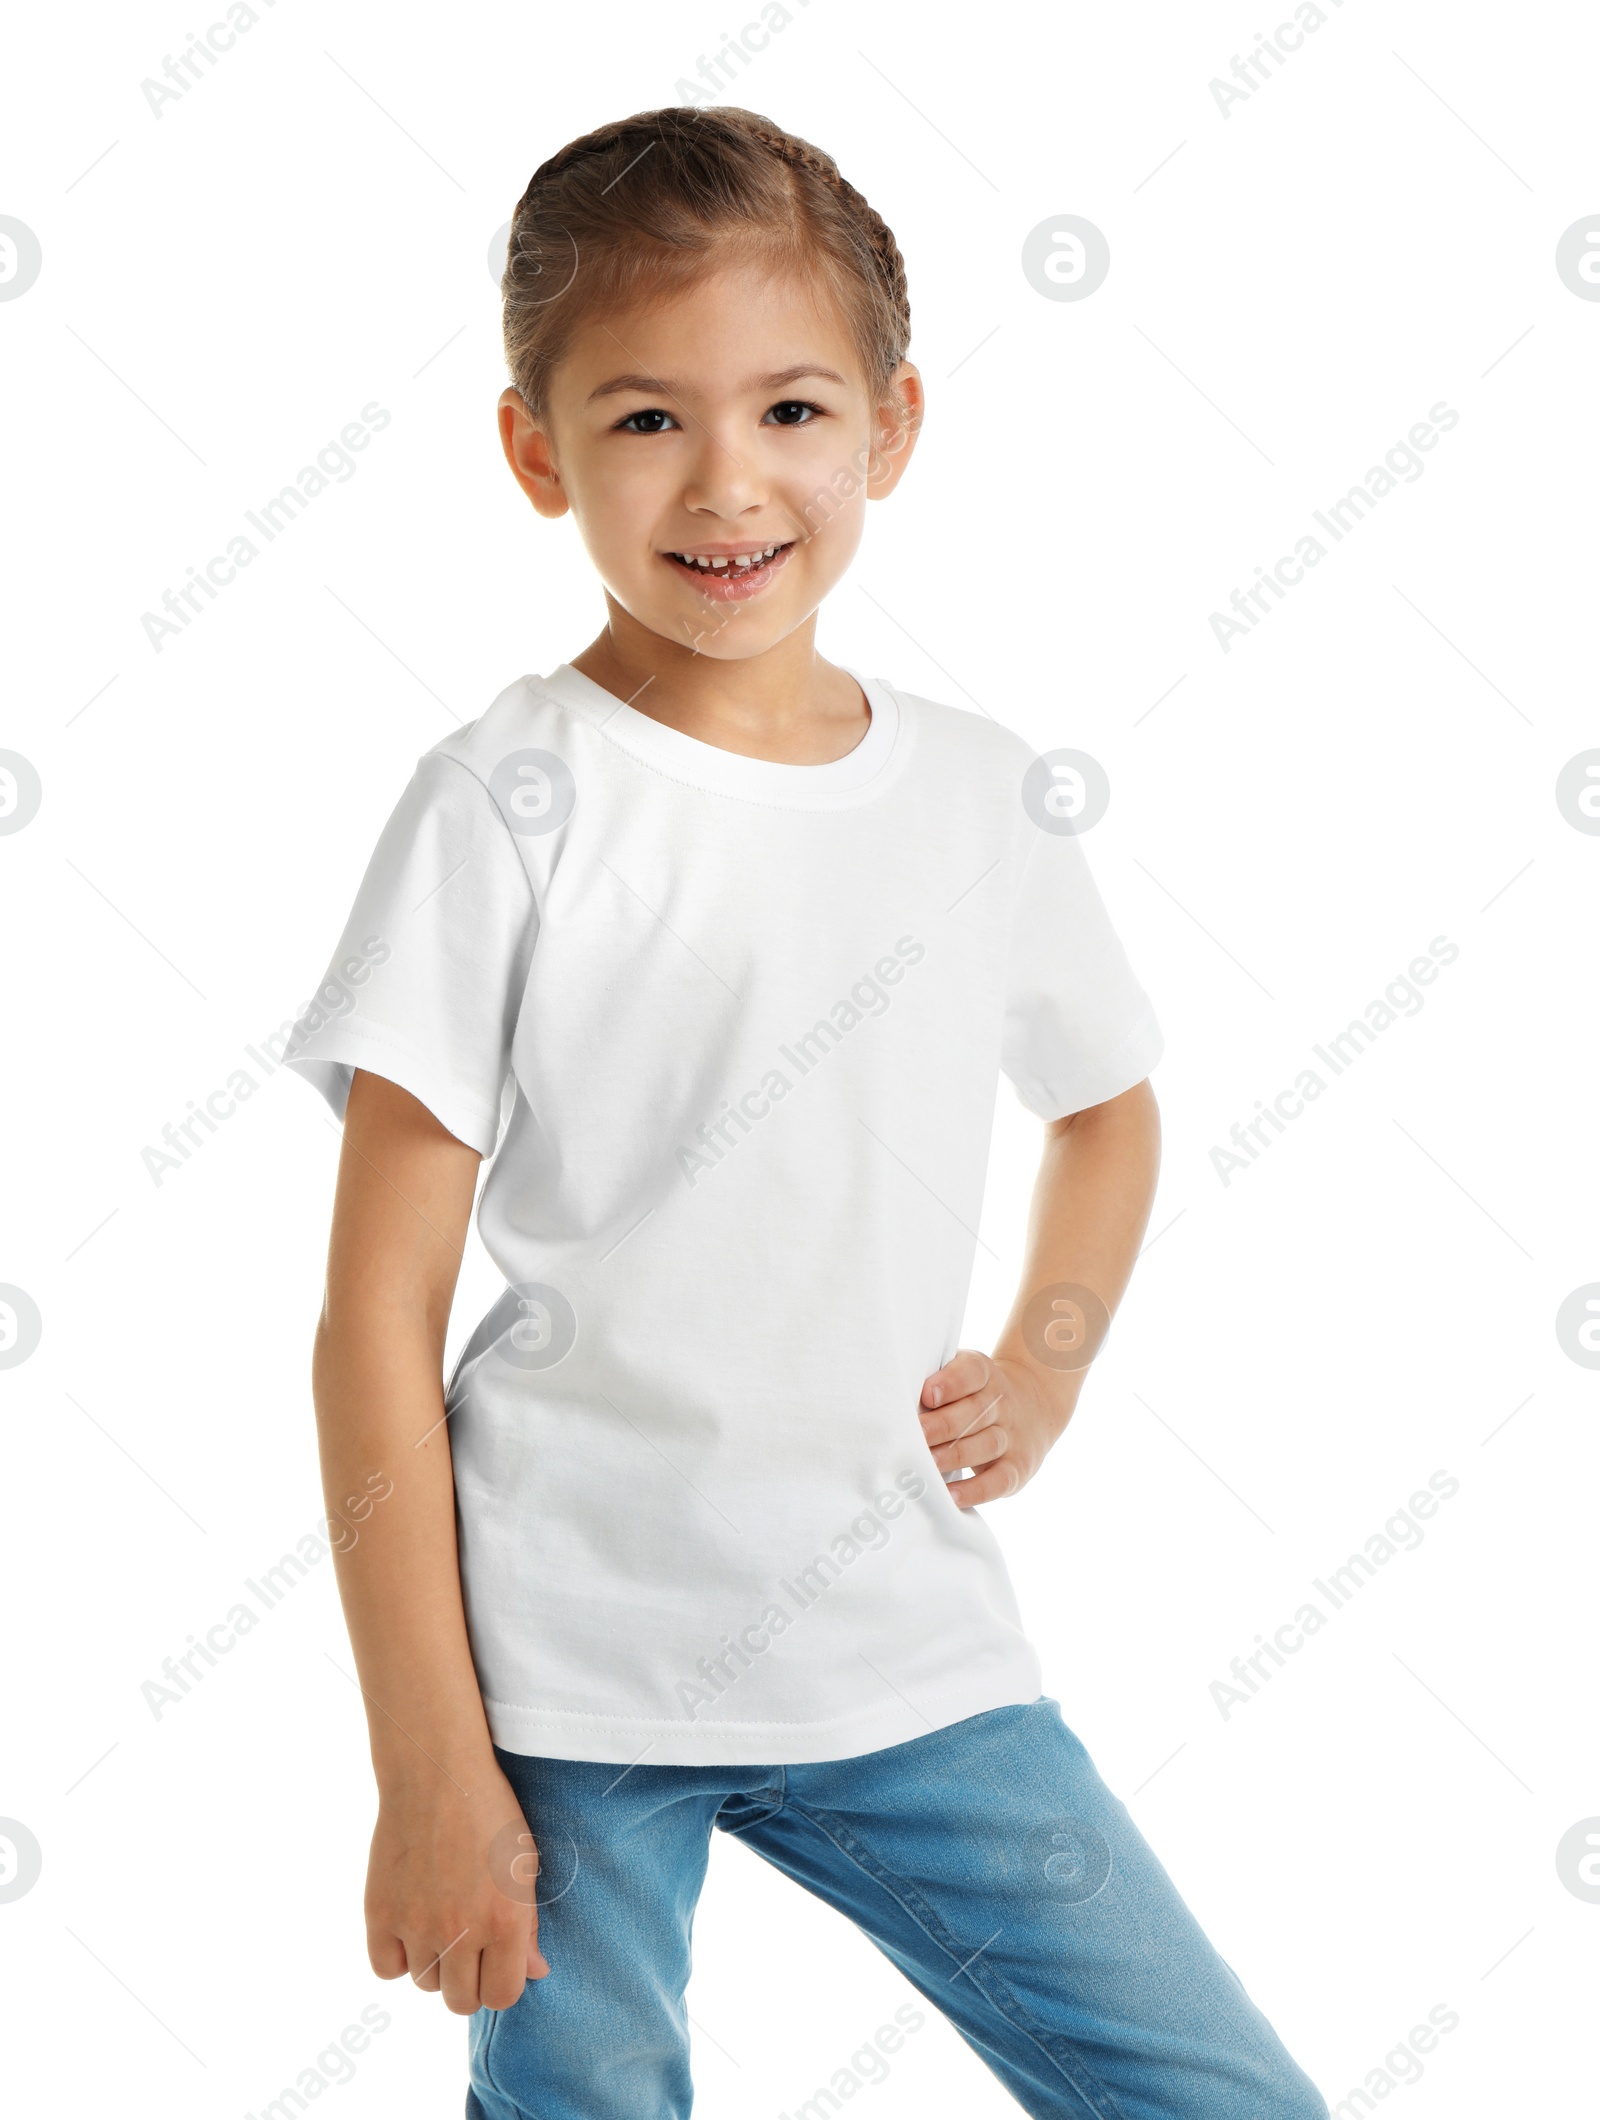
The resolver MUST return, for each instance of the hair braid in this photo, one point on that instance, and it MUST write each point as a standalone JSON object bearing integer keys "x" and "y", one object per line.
{"x": 877, "y": 238}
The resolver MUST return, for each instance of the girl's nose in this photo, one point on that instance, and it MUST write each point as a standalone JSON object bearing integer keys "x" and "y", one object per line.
{"x": 724, "y": 479}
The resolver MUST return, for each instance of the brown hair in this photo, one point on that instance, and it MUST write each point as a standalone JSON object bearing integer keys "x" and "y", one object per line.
{"x": 654, "y": 202}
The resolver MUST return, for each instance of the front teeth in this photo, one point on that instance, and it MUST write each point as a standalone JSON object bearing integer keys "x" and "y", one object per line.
{"x": 740, "y": 559}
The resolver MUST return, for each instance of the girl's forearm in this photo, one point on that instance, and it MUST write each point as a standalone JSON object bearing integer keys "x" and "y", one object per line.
{"x": 1091, "y": 1203}
{"x": 391, "y": 1501}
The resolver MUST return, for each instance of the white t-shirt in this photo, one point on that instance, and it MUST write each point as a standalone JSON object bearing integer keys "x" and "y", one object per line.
{"x": 731, "y": 1031}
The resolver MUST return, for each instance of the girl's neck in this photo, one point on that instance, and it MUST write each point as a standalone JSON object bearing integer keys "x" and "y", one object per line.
{"x": 786, "y": 705}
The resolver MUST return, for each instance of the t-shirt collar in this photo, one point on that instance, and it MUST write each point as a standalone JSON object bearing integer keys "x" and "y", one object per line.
{"x": 685, "y": 758}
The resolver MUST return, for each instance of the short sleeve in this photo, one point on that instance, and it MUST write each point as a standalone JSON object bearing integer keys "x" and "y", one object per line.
{"x": 1078, "y": 1026}
{"x": 426, "y": 983}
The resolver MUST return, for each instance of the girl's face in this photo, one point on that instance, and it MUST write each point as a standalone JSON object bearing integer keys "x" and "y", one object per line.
{"x": 717, "y": 450}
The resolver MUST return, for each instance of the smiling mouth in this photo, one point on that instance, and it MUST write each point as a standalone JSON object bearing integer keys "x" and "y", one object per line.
{"x": 728, "y": 570}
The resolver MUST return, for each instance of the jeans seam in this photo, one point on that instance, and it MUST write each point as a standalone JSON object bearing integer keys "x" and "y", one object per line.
{"x": 782, "y": 1785}
{"x": 485, "y": 2052}
{"x": 1050, "y": 2044}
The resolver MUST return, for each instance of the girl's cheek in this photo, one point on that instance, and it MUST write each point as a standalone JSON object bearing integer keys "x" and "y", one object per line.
{"x": 833, "y": 453}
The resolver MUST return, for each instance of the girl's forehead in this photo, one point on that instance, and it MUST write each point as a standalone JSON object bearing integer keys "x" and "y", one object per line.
{"x": 730, "y": 327}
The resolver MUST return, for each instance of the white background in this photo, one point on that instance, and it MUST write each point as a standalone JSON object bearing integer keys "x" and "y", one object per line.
{"x": 1371, "y": 1300}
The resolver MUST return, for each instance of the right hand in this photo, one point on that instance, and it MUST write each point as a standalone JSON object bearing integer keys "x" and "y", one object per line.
{"x": 450, "y": 1892}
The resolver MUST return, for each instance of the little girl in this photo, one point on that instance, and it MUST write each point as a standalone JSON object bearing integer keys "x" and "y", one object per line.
{"x": 717, "y": 950}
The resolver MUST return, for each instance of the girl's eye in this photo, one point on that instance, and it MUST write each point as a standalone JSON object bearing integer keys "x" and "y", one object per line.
{"x": 794, "y": 412}
{"x": 788, "y": 412}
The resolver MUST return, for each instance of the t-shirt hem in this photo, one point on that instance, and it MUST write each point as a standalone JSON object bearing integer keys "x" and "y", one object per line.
{"x": 663, "y": 1742}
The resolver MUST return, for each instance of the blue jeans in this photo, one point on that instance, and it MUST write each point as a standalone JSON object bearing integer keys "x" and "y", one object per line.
{"x": 987, "y": 1860}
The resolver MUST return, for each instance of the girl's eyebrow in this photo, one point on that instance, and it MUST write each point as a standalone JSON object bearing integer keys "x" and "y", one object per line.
{"x": 662, "y": 386}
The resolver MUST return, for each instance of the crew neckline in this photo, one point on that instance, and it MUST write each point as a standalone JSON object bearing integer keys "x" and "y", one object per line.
{"x": 853, "y": 777}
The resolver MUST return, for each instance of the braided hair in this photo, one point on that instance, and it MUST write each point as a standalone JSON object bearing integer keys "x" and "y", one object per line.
{"x": 647, "y": 205}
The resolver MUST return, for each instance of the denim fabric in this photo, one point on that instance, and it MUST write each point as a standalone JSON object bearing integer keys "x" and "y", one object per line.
{"x": 987, "y": 1860}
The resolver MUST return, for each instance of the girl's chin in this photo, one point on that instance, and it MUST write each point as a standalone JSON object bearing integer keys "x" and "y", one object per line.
{"x": 731, "y": 633}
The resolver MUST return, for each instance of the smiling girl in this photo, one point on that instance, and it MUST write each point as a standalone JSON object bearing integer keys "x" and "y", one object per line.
{"x": 717, "y": 950}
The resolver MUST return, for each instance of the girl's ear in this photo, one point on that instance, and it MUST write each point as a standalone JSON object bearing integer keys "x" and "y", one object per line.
{"x": 896, "y": 425}
{"x": 527, "y": 448}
